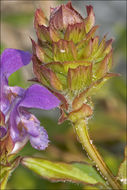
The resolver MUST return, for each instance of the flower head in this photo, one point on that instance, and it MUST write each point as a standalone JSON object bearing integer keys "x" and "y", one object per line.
{"x": 17, "y": 124}
{"x": 69, "y": 59}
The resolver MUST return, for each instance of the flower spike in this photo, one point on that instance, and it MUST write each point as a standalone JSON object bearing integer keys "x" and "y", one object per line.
{"x": 70, "y": 60}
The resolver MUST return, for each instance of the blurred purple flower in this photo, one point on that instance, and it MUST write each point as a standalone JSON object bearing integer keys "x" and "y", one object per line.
{"x": 15, "y": 101}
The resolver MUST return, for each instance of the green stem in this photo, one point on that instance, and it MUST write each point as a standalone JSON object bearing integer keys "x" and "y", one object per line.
{"x": 82, "y": 132}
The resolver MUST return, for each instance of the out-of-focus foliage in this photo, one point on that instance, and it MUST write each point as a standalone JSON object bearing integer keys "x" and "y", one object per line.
{"x": 122, "y": 174}
{"x": 1, "y": 48}
{"x": 120, "y": 42}
{"x": 18, "y": 20}
{"x": 107, "y": 127}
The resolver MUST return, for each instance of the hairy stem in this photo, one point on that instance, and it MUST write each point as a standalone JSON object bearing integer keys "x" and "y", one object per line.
{"x": 82, "y": 132}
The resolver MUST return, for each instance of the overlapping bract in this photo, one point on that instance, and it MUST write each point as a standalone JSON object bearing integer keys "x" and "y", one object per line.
{"x": 69, "y": 58}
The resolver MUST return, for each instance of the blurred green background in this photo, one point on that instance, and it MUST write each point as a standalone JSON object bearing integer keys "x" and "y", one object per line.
{"x": 107, "y": 126}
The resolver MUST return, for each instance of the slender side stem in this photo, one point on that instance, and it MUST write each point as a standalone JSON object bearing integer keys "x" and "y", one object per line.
{"x": 82, "y": 132}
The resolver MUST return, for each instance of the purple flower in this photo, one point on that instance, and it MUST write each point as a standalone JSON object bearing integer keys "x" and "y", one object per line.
{"x": 15, "y": 101}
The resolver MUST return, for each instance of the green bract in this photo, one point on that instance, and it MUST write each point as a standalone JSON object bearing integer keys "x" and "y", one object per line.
{"x": 69, "y": 58}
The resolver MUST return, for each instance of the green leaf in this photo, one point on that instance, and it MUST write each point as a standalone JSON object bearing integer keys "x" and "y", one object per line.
{"x": 122, "y": 174}
{"x": 58, "y": 171}
{"x": 6, "y": 170}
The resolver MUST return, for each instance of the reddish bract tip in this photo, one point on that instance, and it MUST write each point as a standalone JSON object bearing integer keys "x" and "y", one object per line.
{"x": 64, "y": 15}
{"x": 40, "y": 18}
{"x": 89, "y": 9}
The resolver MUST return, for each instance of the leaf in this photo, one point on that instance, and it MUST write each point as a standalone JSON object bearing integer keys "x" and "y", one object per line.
{"x": 122, "y": 173}
{"x": 90, "y": 170}
{"x": 58, "y": 171}
{"x": 5, "y": 172}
